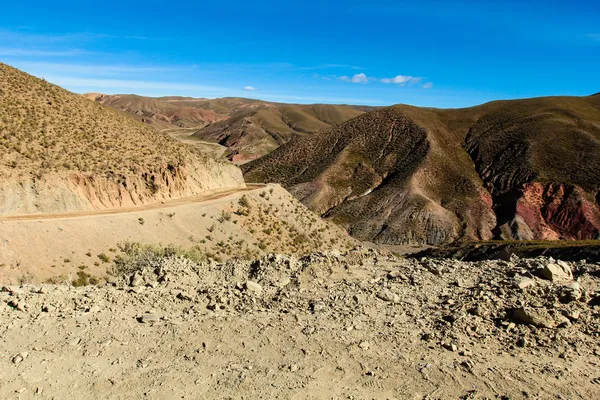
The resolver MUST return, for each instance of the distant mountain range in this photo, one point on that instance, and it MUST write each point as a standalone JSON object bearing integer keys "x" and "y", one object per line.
{"x": 248, "y": 128}
{"x": 521, "y": 169}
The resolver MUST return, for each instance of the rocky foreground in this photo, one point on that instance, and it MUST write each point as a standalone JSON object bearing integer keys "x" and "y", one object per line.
{"x": 356, "y": 325}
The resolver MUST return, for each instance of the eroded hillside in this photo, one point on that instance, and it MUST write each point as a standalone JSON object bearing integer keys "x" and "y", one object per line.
{"x": 255, "y": 133}
{"x": 525, "y": 169}
{"x": 248, "y": 128}
{"x": 61, "y": 152}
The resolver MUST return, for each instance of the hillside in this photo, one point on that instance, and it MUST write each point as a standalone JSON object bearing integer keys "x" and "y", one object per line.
{"x": 252, "y": 134}
{"x": 523, "y": 169}
{"x": 161, "y": 113}
{"x": 248, "y": 128}
{"x": 61, "y": 152}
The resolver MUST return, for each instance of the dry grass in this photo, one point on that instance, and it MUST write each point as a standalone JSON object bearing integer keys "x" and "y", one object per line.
{"x": 44, "y": 129}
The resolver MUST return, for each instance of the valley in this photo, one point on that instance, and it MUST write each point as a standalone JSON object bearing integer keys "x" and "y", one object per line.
{"x": 179, "y": 247}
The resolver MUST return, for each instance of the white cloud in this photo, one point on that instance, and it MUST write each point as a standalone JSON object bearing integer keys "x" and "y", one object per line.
{"x": 428, "y": 85}
{"x": 402, "y": 80}
{"x": 358, "y": 78}
{"x": 594, "y": 36}
{"x": 250, "y": 88}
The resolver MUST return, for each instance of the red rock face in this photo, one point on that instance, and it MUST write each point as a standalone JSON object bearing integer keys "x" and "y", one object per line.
{"x": 558, "y": 211}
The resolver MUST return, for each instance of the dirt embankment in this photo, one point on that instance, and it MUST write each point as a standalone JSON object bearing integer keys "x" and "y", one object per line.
{"x": 70, "y": 192}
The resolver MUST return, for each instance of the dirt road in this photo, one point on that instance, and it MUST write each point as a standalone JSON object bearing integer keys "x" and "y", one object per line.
{"x": 210, "y": 195}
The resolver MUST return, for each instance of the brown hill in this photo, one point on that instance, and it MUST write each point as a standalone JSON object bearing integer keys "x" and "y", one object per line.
{"x": 61, "y": 152}
{"x": 523, "y": 169}
{"x": 248, "y": 128}
{"x": 256, "y": 132}
{"x": 161, "y": 113}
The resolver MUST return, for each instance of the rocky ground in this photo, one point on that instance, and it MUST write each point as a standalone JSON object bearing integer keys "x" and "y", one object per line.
{"x": 357, "y": 325}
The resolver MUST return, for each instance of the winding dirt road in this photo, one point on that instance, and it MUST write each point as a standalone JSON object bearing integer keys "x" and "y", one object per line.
{"x": 200, "y": 198}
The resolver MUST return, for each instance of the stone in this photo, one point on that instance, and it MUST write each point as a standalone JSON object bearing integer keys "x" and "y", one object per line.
{"x": 572, "y": 292}
{"x": 316, "y": 306}
{"x": 451, "y": 347}
{"x": 147, "y": 318}
{"x": 185, "y": 296}
{"x": 522, "y": 282}
{"x": 387, "y": 295}
{"x": 364, "y": 345}
{"x": 533, "y": 316}
{"x": 557, "y": 272}
{"x": 135, "y": 280}
{"x": 17, "y": 305}
{"x": 20, "y": 357}
{"x": 253, "y": 287}
{"x": 283, "y": 282}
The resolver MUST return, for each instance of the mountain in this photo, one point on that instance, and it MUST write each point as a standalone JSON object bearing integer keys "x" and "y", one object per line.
{"x": 248, "y": 128}
{"x": 252, "y": 134}
{"x": 521, "y": 169}
{"x": 61, "y": 152}
{"x": 161, "y": 113}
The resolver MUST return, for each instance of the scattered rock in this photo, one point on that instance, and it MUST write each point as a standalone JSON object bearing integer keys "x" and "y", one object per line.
{"x": 532, "y": 316}
{"x": 148, "y": 318}
{"x": 450, "y": 346}
{"x": 522, "y": 282}
{"x": 253, "y": 287}
{"x": 136, "y": 280}
{"x": 571, "y": 292}
{"x": 20, "y": 357}
{"x": 557, "y": 272}
{"x": 387, "y": 295}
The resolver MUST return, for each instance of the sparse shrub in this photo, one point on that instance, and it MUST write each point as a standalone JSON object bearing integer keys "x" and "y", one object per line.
{"x": 84, "y": 279}
{"x": 243, "y": 202}
{"x": 224, "y": 216}
{"x": 136, "y": 256}
{"x": 104, "y": 258}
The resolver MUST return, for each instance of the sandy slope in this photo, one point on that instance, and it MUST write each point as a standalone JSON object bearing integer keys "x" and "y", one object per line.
{"x": 40, "y": 247}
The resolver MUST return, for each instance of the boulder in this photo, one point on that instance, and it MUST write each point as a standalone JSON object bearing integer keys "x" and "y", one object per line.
{"x": 532, "y": 316}
{"x": 557, "y": 272}
{"x": 253, "y": 287}
{"x": 387, "y": 295}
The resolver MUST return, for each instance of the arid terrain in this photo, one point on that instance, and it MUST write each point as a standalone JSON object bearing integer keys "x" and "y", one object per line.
{"x": 247, "y": 128}
{"x": 519, "y": 169}
{"x": 216, "y": 226}
{"x": 61, "y": 152}
{"x": 357, "y": 324}
{"x": 135, "y": 261}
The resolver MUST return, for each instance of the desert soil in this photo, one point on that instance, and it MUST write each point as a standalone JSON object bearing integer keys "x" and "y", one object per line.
{"x": 37, "y": 248}
{"x": 185, "y": 135}
{"x": 357, "y": 325}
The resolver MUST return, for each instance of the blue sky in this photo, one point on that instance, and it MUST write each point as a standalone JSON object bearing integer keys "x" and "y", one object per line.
{"x": 426, "y": 53}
